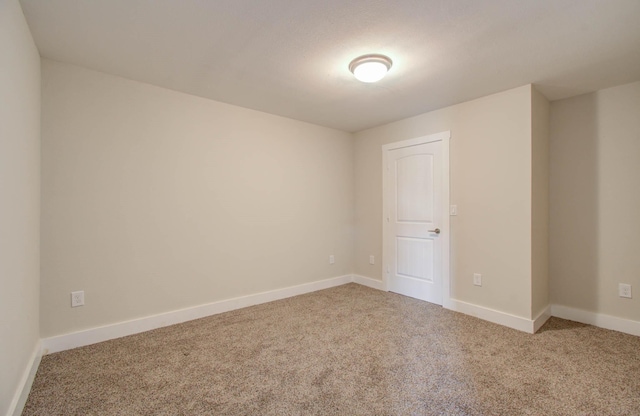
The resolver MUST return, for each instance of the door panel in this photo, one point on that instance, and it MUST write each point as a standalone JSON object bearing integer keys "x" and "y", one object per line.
{"x": 414, "y": 172}
{"x": 415, "y": 258}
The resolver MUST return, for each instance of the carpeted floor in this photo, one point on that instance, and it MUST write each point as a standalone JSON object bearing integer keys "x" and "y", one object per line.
{"x": 349, "y": 350}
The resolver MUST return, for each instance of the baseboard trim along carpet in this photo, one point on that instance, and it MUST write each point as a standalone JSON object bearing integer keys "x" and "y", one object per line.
{"x": 26, "y": 381}
{"x": 367, "y": 281}
{"x": 541, "y": 318}
{"x": 491, "y": 315}
{"x": 135, "y": 326}
{"x": 627, "y": 326}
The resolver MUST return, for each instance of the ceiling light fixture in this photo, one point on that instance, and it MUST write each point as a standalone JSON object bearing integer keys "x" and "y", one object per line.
{"x": 370, "y": 68}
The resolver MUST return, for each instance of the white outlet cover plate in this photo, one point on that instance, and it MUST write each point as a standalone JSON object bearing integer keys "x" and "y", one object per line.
{"x": 77, "y": 298}
{"x": 477, "y": 279}
{"x": 624, "y": 290}
{"x": 332, "y": 259}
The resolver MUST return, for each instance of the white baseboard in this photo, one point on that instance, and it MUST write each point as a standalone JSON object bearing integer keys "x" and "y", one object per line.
{"x": 627, "y": 326}
{"x": 121, "y": 329}
{"x": 368, "y": 281}
{"x": 26, "y": 381}
{"x": 491, "y": 315}
{"x": 541, "y": 318}
{"x": 135, "y": 326}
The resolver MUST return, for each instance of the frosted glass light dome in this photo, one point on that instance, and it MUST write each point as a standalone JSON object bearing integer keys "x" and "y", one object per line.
{"x": 370, "y": 68}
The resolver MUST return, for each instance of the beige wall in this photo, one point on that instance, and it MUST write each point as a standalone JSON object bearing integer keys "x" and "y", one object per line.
{"x": 490, "y": 182}
{"x": 595, "y": 201}
{"x": 19, "y": 199}
{"x": 539, "y": 203}
{"x": 155, "y": 200}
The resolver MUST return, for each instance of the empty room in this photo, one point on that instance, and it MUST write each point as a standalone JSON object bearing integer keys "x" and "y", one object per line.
{"x": 319, "y": 208}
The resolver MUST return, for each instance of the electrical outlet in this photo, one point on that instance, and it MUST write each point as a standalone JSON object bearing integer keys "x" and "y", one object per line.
{"x": 332, "y": 259}
{"x": 477, "y": 279}
{"x": 624, "y": 290}
{"x": 77, "y": 298}
{"x": 372, "y": 259}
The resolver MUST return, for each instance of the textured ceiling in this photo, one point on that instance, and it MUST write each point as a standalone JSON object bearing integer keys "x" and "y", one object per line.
{"x": 290, "y": 57}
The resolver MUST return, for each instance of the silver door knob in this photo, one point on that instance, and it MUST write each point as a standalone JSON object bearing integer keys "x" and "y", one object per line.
{"x": 437, "y": 231}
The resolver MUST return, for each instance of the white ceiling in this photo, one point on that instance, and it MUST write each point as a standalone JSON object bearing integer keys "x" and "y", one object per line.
{"x": 290, "y": 57}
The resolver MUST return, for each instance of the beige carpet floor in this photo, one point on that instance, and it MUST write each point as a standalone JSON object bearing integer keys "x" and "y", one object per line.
{"x": 348, "y": 350}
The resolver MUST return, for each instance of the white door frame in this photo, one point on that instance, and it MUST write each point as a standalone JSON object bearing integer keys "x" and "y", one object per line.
{"x": 444, "y": 137}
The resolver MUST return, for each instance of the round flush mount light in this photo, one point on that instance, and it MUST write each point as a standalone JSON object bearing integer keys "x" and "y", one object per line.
{"x": 370, "y": 68}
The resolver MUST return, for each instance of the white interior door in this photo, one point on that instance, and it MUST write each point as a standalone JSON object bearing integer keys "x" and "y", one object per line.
{"x": 413, "y": 223}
